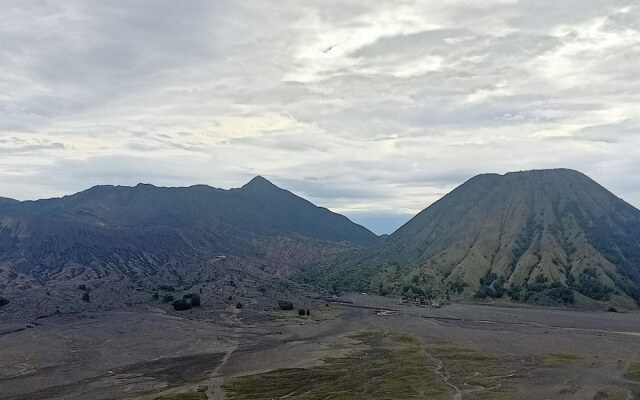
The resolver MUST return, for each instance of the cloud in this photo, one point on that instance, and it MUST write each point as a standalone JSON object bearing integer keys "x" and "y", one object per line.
{"x": 372, "y": 109}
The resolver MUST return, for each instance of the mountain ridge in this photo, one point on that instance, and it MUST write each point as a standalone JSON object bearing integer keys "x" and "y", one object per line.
{"x": 129, "y": 240}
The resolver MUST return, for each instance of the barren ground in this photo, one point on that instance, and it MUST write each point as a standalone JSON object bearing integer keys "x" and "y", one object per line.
{"x": 461, "y": 351}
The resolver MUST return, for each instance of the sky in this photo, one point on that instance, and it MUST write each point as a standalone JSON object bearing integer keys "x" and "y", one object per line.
{"x": 372, "y": 109}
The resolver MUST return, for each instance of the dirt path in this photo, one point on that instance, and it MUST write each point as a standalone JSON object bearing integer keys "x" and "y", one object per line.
{"x": 215, "y": 390}
{"x": 439, "y": 369}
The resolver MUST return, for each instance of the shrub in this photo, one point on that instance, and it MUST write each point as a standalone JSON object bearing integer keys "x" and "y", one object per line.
{"x": 230, "y": 298}
{"x": 491, "y": 285}
{"x": 167, "y": 298}
{"x": 239, "y": 305}
{"x": 308, "y": 313}
{"x": 167, "y": 288}
{"x": 456, "y": 287}
{"x": 285, "y": 305}
{"x": 543, "y": 294}
{"x": 3, "y": 301}
{"x": 181, "y": 305}
{"x": 156, "y": 295}
{"x": 590, "y": 286}
{"x": 194, "y": 298}
{"x": 301, "y": 311}
{"x": 83, "y": 287}
{"x": 86, "y": 297}
{"x": 561, "y": 295}
{"x": 611, "y": 309}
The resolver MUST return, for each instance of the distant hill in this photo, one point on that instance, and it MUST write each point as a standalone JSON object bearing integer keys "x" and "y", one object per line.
{"x": 548, "y": 237}
{"x": 133, "y": 239}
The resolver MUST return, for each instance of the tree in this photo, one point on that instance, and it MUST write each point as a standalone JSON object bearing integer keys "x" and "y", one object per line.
{"x": 181, "y": 305}
{"x": 3, "y": 302}
{"x": 285, "y": 305}
{"x": 301, "y": 312}
{"x": 308, "y": 313}
{"x": 239, "y": 305}
{"x": 86, "y": 297}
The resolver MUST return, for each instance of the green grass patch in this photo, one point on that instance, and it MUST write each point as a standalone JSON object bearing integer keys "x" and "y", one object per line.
{"x": 633, "y": 372}
{"x": 610, "y": 395}
{"x": 199, "y": 394}
{"x": 569, "y": 390}
{"x": 563, "y": 358}
{"x": 380, "y": 366}
{"x": 389, "y": 366}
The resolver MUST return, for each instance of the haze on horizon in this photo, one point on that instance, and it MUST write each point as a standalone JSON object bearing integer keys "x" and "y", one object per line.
{"x": 372, "y": 110}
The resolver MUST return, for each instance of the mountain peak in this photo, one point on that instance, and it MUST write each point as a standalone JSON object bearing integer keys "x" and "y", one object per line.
{"x": 542, "y": 234}
{"x": 142, "y": 185}
{"x": 259, "y": 182}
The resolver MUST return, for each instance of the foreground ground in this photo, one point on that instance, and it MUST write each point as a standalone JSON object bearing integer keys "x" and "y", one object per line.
{"x": 365, "y": 348}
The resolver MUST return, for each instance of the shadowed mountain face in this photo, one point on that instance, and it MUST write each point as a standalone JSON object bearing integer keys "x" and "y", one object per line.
{"x": 146, "y": 235}
{"x": 547, "y": 237}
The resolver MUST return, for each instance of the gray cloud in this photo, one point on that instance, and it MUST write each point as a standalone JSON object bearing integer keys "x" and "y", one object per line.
{"x": 372, "y": 109}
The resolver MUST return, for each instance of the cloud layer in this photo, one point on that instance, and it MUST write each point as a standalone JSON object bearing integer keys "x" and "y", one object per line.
{"x": 373, "y": 109}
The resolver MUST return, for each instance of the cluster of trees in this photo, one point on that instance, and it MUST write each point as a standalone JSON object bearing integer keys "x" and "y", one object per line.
{"x": 543, "y": 293}
{"x": 187, "y": 302}
{"x": 491, "y": 286}
{"x": 413, "y": 293}
{"x": 287, "y": 305}
{"x": 456, "y": 287}
{"x": 589, "y": 285}
{"x": 540, "y": 292}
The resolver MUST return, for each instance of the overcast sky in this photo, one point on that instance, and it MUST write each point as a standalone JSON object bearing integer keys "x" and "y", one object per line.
{"x": 373, "y": 109}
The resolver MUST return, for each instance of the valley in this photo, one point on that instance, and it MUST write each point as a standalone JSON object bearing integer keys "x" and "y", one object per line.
{"x": 377, "y": 347}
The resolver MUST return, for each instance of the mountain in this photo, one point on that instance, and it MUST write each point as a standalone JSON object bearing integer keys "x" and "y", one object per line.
{"x": 134, "y": 239}
{"x": 549, "y": 237}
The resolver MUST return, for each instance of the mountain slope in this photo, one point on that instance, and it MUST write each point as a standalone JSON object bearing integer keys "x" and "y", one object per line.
{"x": 547, "y": 237}
{"x": 137, "y": 238}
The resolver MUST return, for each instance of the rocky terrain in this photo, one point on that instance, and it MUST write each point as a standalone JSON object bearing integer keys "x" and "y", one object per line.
{"x": 112, "y": 246}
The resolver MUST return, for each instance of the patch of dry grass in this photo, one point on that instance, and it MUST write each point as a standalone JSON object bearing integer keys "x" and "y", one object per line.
{"x": 198, "y": 394}
{"x": 610, "y": 395}
{"x": 563, "y": 358}
{"x": 381, "y": 366}
{"x": 633, "y": 372}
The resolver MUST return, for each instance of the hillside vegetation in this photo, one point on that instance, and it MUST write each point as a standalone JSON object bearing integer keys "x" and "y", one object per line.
{"x": 547, "y": 237}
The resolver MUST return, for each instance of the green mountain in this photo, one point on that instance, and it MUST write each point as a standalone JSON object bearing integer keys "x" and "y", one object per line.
{"x": 548, "y": 237}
